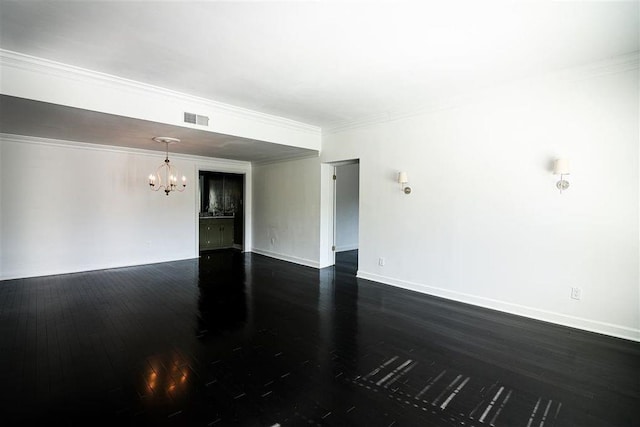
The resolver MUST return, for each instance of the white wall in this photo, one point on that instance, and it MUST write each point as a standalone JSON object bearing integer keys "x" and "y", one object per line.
{"x": 485, "y": 223}
{"x": 70, "y": 207}
{"x": 286, "y": 202}
{"x": 347, "y": 203}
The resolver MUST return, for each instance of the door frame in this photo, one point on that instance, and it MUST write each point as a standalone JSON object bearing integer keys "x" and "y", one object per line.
{"x": 240, "y": 169}
{"x": 328, "y": 206}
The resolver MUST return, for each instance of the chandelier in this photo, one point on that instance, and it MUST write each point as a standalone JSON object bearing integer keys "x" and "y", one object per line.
{"x": 166, "y": 177}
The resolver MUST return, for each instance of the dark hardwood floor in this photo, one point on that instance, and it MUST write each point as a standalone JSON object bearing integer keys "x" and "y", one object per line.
{"x": 242, "y": 339}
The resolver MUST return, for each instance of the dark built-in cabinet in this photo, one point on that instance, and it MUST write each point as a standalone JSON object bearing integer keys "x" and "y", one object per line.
{"x": 221, "y": 210}
{"x": 216, "y": 233}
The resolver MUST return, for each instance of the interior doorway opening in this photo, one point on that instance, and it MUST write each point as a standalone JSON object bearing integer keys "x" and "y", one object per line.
{"x": 343, "y": 220}
{"x": 221, "y": 213}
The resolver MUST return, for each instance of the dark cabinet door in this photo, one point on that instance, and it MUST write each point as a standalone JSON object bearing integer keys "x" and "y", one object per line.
{"x": 216, "y": 233}
{"x": 227, "y": 233}
{"x": 207, "y": 235}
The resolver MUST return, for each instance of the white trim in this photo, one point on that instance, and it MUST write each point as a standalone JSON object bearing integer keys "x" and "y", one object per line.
{"x": 85, "y": 269}
{"x": 618, "y": 331}
{"x": 327, "y": 255}
{"x": 120, "y": 149}
{"x": 288, "y": 158}
{"x": 288, "y": 258}
{"x": 244, "y": 169}
{"x": 44, "y": 66}
{"x": 618, "y": 64}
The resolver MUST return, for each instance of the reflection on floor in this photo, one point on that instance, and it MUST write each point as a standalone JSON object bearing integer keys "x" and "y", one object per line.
{"x": 241, "y": 339}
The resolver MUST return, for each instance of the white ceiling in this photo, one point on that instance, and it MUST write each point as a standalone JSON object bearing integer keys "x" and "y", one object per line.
{"x": 20, "y": 116}
{"x": 322, "y": 63}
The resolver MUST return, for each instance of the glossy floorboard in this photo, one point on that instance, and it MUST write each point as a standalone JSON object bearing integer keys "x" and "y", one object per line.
{"x": 241, "y": 339}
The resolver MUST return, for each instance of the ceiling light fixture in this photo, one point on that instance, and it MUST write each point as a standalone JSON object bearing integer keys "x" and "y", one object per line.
{"x": 166, "y": 175}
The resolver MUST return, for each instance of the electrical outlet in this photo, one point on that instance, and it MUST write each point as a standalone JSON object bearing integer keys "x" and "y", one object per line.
{"x": 273, "y": 240}
{"x": 576, "y": 293}
{"x": 381, "y": 262}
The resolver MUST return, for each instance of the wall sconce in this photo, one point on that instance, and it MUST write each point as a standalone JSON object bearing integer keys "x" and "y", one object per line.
{"x": 403, "y": 180}
{"x": 561, "y": 167}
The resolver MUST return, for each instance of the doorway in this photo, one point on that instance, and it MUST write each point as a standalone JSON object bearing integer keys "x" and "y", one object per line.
{"x": 343, "y": 222}
{"x": 221, "y": 213}
{"x": 347, "y": 207}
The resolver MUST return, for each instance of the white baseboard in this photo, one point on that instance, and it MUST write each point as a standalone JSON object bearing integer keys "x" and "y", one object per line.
{"x": 346, "y": 248}
{"x": 289, "y": 258}
{"x": 534, "y": 313}
{"x": 83, "y": 269}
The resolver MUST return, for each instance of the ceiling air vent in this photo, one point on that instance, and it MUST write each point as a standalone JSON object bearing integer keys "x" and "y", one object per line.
{"x": 196, "y": 119}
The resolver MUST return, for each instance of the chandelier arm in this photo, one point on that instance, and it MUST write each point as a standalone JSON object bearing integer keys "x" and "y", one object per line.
{"x": 159, "y": 175}
{"x": 170, "y": 173}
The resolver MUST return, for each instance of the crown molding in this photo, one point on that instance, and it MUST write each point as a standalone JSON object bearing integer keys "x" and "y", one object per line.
{"x": 609, "y": 66}
{"x": 44, "y": 66}
{"x": 614, "y": 65}
{"x": 284, "y": 159}
{"x": 51, "y": 142}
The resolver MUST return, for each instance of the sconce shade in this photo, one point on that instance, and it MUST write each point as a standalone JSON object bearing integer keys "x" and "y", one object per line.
{"x": 561, "y": 167}
{"x": 402, "y": 178}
